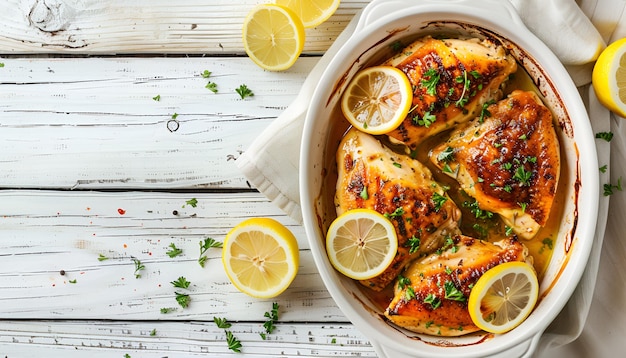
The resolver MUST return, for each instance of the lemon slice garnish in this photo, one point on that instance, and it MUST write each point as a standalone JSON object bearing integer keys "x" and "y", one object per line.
{"x": 273, "y": 37}
{"x": 260, "y": 257}
{"x": 311, "y": 12}
{"x": 377, "y": 99}
{"x": 609, "y": 77}
{"x": 361, "y": 243}
{"x": 503, "y": 297}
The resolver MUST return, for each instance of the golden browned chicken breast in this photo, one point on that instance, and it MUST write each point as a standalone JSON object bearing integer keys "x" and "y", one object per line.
{"x": 452, "y": 79}
{"x": 370, "y": 175}
{"x": 508, "y": 160}
{"x": 431, "y": 295}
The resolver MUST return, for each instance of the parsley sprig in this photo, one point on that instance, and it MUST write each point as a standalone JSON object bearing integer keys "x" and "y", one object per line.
{"x": 272, "y": 318}
{"x": 233, "y": 343}
{"x": 138, "y": 267}
{"x": 206, "y": 245}
{"x": 244, "y": 91}
{"x": 173, "y": 251}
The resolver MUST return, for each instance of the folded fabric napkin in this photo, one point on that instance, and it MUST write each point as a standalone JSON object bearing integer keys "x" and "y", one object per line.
{"x": 575, "y": 31}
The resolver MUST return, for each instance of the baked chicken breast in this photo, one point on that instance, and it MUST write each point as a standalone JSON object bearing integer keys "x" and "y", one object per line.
{"x": 452, "y": 79}
{"x": 431, "y": 295}
{"x": 508, "y": 160}
{"x": 372, "y": 176}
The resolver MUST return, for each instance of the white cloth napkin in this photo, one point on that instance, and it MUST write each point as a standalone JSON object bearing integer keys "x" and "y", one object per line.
{"x": 576, "y": 32}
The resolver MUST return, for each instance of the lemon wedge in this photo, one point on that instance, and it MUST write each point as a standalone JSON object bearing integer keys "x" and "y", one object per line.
{"x": 260, "y": 257}
{"x": 273, "y": 36}
{"x": 361, "y": 243}
{"x": 377, "y": 99}
{"x": 503, "y": 297}
{"x": 609, "y": 77}
{"x": 311, "y": 12}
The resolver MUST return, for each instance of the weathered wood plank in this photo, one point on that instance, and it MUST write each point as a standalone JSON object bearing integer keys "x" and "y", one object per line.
{"x": 96, "y": 339}
{"x": 51, "y": 243}
{"x": 142, "y": 26}
{"x": 92, "y": 123}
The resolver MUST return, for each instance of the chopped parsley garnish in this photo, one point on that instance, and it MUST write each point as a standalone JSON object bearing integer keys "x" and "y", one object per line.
{"x": 396, "y": 46}
{"x": 233, "y": 343}
{"x": 484, "y": 113}
{"x": 206, "y": 74}
{"x": 414, "y": 244}
{"x": 403, "y": 281}
{"x": 477, "y": 211}
{"x": 439, "y": 200}
{"x": 138, "y": 267}
{"x": 102, "y": 257}
{"x": 452, "y": 293}
{"x": 193, "y": 202}
{"x": 446, "y": 155}
{"x": 508, "y": 231}
{"x": 426, "y": 120}
{"x": 208, "y": 243}
{"x": 448, "y": 243}
{"x": 409, "y": 294}
{"x": 173, "y": 251}
{"x": 153, "y": 332}
{"x": 244, "y": 91}
{"x": 608, "y": 188}
{"x": 157, "y": 97}
{"x": 397, "y": 213}
{"x": 211, "y": 86}
{"x": 183, "y": 299}
{"x": 181, "y": 282}
{"x": 221, "y": 322}
{"x": 433, "y": 300}
{"x": 166, "y": 310}
{"x": 603, "y": 168}
{"x": 523, "y": 206}
{"x": 272, "y": 318}
{"x": 430, "y": 80}
{"x": 607, "y": 136}
{"x": 546, "y": 243}
{"x": 72, "y": 281}
{"x": 364, "y": 194}
{"x": 522, "y": 176}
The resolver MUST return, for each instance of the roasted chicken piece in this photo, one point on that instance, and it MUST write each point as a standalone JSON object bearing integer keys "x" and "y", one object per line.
{"x": 508, "y": 160}
{"x": 431, "y": 295}
{"x": 452, "y": 79}
{"x": 370, "y": 175}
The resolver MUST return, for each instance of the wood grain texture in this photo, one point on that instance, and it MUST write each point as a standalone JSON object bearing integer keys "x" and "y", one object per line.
{"x": 92, "y": 123}
{"x": 142, "y": 26}
{"x": 97, "y": 339}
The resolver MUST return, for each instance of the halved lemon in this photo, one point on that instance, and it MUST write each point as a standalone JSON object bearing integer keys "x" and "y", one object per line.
{"x": 260, "y": 257}
{"x": 377, "y": 99}
{"x": 609, "y": 77}
{"x": 311, "y": 12}
{"x": 273, "y": 36}
{"x": 503, "y": 297}
{"x": 361, "y": 243}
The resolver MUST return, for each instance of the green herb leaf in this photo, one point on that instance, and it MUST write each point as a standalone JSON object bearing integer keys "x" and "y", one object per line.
{"x": 138, "y": 267}
{"x": 221, "y": 322}
{"x": 426, "y": 120}
{"x": 211, "y": 86}
{"x": 233, "y": 343}
{"x": 102, "y": 257}
{"x": 364, "y": 194}
{"x": 272, "y": 318}
{"x": 409, "y": 294}
{"x": 397, "y": 213}
{"x": 608, "y": 188}
{"x": 175, "y": 115}
{"x": 522, "y": 176}
{"x": 193, "y": 202}
{"x": 603, "y": 168}
{"x": 430, "y": 80}
{"x": 447, "y": 155}
{"x": 439, "y": 200}
{"x": 433, "y": 300}
{"x": 206, "y": 74}
{"x": 72, "y": 281}
{"x": 414, "y": 244}
{"x": 183, "y": 299}
{"x": 204, "y": 246}
{"x": 153, "y": 332}
{"x": 174, "y": 251}
{"x": 157, "y": 97}
{"x": 452, "y": 293}
{"x": 403, "y": 281}
{"x": 181, "y": 282}
{"x": 607, "y": 136}
{"x": 166, "y": 310}
{"x": 244, "y": 91}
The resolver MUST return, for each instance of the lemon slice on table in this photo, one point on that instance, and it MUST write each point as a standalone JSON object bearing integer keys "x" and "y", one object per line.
{"x": 503, "y": 297}
{"x": 377, "y": 99}
{"x": 260, "y": 257}
{"x": 311, "y": 12}
{"x": 361, "y": 243}
{"x": 609, "y": 77}
{"x": 273, "y": 37}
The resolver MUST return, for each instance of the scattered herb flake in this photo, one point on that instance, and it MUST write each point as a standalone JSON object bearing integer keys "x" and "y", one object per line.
{"x": 175, "y": 115}
{"x": 608, "y": 188}
{"x": 607, "y": 136}
{"x": 233, "y": 343}
{"x": 211, "y": 86}
{"x": 447, "y": 155}
{"x": 403, "y": 281}
{"x": 174, "y": 251}
{"x": 364, "y": 194}
{"x": 244, "y": 91}
{"x": 166, "y": 310}
{"x": 72, "y": 281}
{"x": 603, "y": 168}
{"x": 409, "y": 294}
{"x": 153, "y": 332}
{"x": 439, "y": 200}
{"x": 157, "y": 97}
{"x": 433, "y": 300}
{"x": 414, "y": 244}
{"x": 206, "y": 74}
{"x": 1, "y": 64}
{"x": 204, "y": 246}
{"x": 193, "y": 202}
{"x": 452, "y": 293}
{"x": 397, "y": 213}
{"x": 102, "y": 257}
{"x": 430, "y": 80}
{"x": 138, "y": 267}
{"x": 221, "y": 322}
{"x": 183, "y": 299}
{"x": 522, "y": 175}
{"x": 181, "y": 282}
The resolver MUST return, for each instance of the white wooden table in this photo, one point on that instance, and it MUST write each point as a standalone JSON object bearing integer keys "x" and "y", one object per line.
{"x": 106, "y": 132}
